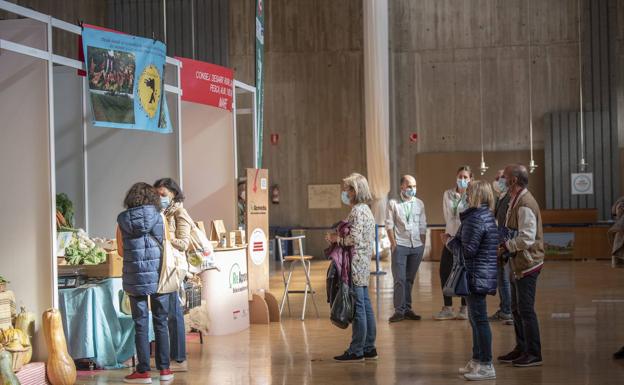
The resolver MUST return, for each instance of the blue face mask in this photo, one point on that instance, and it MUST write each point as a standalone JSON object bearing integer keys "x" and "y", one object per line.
{"x": 165, "y": 202}
{"x": 410, "y": 193}
{"x": 502, "y": 185}
{"x": 345, "y": 198}
{"x": 462, "y": 183}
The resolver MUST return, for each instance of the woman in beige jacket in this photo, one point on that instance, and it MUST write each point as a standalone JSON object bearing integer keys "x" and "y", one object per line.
{"x": 179, "y": 223}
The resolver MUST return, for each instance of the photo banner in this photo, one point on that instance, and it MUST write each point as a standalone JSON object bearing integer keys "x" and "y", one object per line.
{"x": 126, "y": 81}
{"x": 206, "y": 83}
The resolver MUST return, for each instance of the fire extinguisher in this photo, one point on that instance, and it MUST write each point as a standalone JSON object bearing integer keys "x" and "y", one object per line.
{"x": 275, "y": 194}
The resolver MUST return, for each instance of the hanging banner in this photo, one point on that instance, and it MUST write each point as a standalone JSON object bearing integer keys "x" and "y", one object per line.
{"x": 260, "y": 6}
{"x": 206, "y": 83}
{"x": 126, "y": 81}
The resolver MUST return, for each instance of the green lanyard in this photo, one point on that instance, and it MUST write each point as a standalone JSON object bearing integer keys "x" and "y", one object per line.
{"x": 456, "y": 202}
{"x": 408, "y": 214}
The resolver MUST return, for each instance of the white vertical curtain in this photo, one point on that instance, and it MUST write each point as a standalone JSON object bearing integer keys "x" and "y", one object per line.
{"x": 376, "y": 103}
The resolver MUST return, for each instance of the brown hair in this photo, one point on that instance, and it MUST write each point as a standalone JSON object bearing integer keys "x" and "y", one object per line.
{"x": 480, "y": 193}
{"x": 141, "y": 194}
{"x": 465, "y": 168}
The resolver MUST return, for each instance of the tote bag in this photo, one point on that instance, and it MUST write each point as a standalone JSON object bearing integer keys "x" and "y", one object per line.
{"x": 200, "y": 252}
{"x": 170, "y": 276}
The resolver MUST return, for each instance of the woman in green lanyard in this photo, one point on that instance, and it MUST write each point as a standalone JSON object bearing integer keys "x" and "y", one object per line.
{"x": 453, "y": 203}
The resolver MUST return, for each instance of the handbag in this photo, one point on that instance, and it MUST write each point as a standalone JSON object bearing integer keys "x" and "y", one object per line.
{"x": 200, "y": 252}
{"x": 342, "y": 310}
{"x": 457, "y": 283}
{"x": 171, "y": 277}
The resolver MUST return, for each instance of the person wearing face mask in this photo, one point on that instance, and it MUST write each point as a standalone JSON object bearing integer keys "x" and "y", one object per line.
{"x": 504, "y": 286}
{"x": 453, "y": 203}
{"x": 180, "y": 222}
{"x": 526, "y": 249}
{"x": 242, "y": 203}
{"x": 356, "y": 194}
{"x": 406, "y": 224}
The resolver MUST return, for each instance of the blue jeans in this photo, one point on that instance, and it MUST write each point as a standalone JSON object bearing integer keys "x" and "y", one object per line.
{"x": 405, "y": 263}
{"x": 364, "y": 327}
{"x": 140, "y": 315}
{"x": 481, "y": 333}
{"x": 525, "y": 320}
{"x": 504, "y": 288}
{"x": 177, "y": 334}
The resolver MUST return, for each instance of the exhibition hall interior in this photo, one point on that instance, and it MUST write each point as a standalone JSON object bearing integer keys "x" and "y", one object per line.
{"x": 257, "y": 192}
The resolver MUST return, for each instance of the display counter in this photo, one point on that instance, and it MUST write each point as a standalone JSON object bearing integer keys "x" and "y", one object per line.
{"x": 224, "y": 291}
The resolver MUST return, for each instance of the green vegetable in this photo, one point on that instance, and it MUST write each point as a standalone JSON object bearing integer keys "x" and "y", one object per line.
{"x": 82, "y": 251}
{"x": 3, "y": 280}
{"x": 66, "y": 207}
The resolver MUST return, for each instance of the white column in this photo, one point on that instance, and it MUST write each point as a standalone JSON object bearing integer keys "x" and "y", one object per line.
{"x": 376, "y": 102}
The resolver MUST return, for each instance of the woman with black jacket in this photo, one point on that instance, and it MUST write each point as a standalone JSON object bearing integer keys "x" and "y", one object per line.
{"x": 477, "y": 240}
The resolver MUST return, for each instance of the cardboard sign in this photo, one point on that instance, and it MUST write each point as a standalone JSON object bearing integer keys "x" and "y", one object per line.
{"x": 257, "y": 220}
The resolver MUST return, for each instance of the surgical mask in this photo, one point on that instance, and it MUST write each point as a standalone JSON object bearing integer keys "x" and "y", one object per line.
{"x": 502, "y": 185}
{"x": 345, "y": 198}
{"x": 462, "y": 183}
{"x": 165, "y": 202}
{"x": 410, "y": 193}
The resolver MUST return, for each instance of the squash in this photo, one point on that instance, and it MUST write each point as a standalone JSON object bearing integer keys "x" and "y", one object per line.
{"x": 7, "y": 377}
{"x": 60, "y": 367}
{"x": 25, "y": 321}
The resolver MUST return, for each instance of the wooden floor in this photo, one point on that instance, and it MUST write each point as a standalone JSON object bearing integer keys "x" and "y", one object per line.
{"x": 580, "y": 306}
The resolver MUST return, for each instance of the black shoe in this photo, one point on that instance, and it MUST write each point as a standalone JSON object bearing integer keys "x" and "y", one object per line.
{"x": 619, "y": 354}
{"x": 370, "y": 355}
{"x": 510, "y": 357}
{"x": 349, "y": 357}
{"x": 411, "y": 316}
{"x": 527, "y": 360}
{"x": 396, "y": 317}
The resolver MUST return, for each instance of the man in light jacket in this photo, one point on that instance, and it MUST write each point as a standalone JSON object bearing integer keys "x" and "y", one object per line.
{"x": 526, "y": 251}
{"x": 406, "y": 224}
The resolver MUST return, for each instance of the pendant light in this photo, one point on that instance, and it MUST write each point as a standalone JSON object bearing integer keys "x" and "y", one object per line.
{"x": 582, "y": 165}
{"x": 483, "y": 167}
{"x": 532, "y": 165}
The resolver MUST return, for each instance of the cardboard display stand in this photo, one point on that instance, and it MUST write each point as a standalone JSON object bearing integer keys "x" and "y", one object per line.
{"x": 263, "y": 305}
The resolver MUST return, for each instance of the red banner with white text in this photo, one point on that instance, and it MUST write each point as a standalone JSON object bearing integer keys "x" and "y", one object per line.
{"x": 206, "y": 83}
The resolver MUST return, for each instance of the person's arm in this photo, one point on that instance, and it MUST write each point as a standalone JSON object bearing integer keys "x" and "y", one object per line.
{"x": 357, "y": 230}
{"x": 390, "y": 224}
{"x": 446, "y": 209}
{"x": 182, "y": 236}
{"x": 119, "y": 240}
{"x": 423, "y": 225}
{"x": 527, "y": 230}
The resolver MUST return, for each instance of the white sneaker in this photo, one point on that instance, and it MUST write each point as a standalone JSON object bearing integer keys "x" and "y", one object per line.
{"x": 471, "y": 366}
{"x": 484, "y": 372}
{"x": 445, "y": 314}
{"x": 463, "y": 313}
{"x": 179, "y": 366}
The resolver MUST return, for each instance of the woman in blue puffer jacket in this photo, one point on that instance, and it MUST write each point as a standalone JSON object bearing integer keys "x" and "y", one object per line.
{"x": 478, "y": 240}
{"x": 140, "y": 234}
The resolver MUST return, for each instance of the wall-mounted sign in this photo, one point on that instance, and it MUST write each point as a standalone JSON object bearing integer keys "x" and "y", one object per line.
{"x": 258, "y": 246}
{"x": 582, "y": 183}
{"x": 206, "y": 83}
{"x": 324, "y": 196}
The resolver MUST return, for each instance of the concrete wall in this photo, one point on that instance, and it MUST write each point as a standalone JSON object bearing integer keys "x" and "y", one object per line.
{"x": 25, "y": 235}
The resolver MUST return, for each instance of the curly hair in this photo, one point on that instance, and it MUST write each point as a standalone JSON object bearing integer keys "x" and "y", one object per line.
{"x": 141, "y": 194}
{"x": 171, "y": 185}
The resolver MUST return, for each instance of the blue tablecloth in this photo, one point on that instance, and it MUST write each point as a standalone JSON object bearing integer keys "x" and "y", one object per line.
{"x": 94, "y": 325}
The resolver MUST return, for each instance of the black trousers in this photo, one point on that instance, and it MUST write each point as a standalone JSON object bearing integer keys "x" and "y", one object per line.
{"x": 525, "y": 320}
{"x": 446, "y": 266}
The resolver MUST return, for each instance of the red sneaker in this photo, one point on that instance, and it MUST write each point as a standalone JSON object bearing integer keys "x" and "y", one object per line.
{"x": 138, "y": 378}
{"x": 166, "y": 375}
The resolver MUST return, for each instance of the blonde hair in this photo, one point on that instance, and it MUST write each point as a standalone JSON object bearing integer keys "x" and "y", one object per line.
{"x": 480, "y": 193}
{"x": 359, "y": 184}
